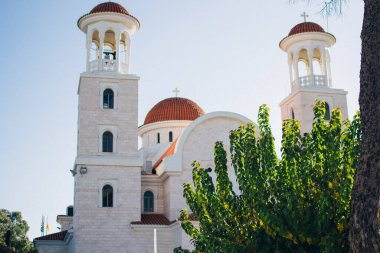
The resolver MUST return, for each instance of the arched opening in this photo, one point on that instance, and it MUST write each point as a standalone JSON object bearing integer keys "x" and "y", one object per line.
{"x": 107, "y": 142}
{"x": 170, "y": 136}
{"x": 327, "y": 111}
{"x": 317, "y": 62}
{"x": 108, "y": 99}
{"x": 158, "y": 138}
{"x": 292, "y": 114}
{"x": 109, "y": 48}
{"x": 107, "y": 196}
{"x": 303, "y": 63}
{"x": 148, "y": 201}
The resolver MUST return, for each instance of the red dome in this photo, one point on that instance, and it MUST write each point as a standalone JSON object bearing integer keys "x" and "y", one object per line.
{"x": 306, "y": 27}
{"x": 174, "y": 108}
{"x": 109, "y": 7}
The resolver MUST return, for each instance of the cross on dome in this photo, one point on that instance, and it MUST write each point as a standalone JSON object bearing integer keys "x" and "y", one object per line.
{"x": 304, "y": 15}
{"x": 176, "y": 91}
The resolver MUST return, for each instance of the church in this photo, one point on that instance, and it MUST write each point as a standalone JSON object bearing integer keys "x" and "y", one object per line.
{"x": 126, "y": 197}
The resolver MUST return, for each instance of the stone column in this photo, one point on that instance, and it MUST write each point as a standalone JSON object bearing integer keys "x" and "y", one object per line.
{"x": 88, "y": 47}
{"x": 328, "y": 77}
{"x": 117, "y": 53}
{"x": 310, "y": 52}
{"x": 296, "y": 74}
{"x": 290, "y": 64}
{"x": 101, "y": 44}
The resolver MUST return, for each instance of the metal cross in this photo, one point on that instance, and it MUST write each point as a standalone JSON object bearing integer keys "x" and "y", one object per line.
{"x": 304, "y": 15}
{"x": 176, "y": 91}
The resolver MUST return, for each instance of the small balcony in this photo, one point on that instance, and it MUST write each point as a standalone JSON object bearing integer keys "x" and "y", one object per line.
{"x": 310, "y": 81}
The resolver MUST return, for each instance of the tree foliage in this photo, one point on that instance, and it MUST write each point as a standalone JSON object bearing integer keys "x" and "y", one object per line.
{"x": 298, "y": 203}
{"x": 13, "y": 231}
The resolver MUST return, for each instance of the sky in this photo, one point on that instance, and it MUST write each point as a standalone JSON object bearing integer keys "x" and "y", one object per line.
{"x": 224, "y": 55}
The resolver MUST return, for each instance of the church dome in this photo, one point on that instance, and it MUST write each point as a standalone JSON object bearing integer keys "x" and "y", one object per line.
{"x": 306, "y": 27}
{"x": 106, "y": 8}
{"x": 174, "y": 108}
{"x": 109, "y": 7}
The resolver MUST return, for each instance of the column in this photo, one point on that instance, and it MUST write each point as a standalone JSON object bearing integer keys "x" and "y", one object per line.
{"x": 323, "y": 65}
{"x": 101, "y": 44}
{"x": 310, "y": 53}
{"x": 328, "y": 77}
{"x": 290, "y": 64}
{"x": 117, "y": 53}
{"x": 88, "y": 47}
{"x": 296, "y": 74}
{"x": 127, "y": 52}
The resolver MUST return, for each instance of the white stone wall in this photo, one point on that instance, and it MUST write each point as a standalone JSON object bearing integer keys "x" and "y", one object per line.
{"x": 153, "y": 184}
{"x": 199, "y": 146}
{"x": 303, "y": 101}
{"x": 51, "y": 247}
{"x": 93, "y": 120}
{"x": 144, "y": 239}
{"x": 106, "y": 229}
{"x": 148, "y": 133}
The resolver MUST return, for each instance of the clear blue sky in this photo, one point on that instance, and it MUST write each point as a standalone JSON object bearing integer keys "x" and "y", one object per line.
{"x": 222, "y": 54}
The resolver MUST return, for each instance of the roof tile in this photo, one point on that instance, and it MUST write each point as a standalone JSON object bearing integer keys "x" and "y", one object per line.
{"x": 153, "y": 219}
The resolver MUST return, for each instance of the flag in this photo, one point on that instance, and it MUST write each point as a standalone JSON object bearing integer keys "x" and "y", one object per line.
{"x": 47, "y": 226}
{"x": 42, "y": 225}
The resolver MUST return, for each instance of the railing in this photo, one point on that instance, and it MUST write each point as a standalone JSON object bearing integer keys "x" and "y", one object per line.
{"x": 107, "y": 65}
{"x": 310, "y": 80}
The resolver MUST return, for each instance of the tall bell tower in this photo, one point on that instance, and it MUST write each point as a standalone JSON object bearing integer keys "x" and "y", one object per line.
{"x": 107, "y": 168}
{"x": 307, "y": 46}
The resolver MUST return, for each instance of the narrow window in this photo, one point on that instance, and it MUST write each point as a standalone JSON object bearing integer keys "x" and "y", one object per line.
{"x": 107, "y": 142}
{"x": 170, "y": 136}
{"x": 293, "y": 114}
{"x": 327, "y": 113}
{"x": 148, "y": 201}
{"x": 107, "y": 196}
{"x": 158, "y": 137}
{"x": 108, "y": 99}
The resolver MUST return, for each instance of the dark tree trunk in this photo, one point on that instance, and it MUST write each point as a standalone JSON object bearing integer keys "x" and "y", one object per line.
{"x": 364, "y": 233}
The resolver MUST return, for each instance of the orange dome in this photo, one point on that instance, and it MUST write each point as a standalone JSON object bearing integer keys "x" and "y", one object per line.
{"x": 306, "y": 27}
{"x": 109, "y": 7}
{"x": 174, "y": 108}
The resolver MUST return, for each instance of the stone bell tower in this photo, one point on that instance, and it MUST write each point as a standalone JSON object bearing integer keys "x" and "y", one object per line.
{"x": 107, "y": 168}
{"x": 307, "y": 46}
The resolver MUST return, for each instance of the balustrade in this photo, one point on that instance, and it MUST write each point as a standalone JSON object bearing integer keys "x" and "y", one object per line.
{"x": 309, "y": 81}
{"x": 107, "y": 65}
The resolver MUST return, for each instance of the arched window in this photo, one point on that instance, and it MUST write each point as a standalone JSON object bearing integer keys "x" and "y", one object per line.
{"x": 148, "y": 201}
{"x": 107, "y": 195}
{"x": 108, "y": 99}
{"x": 327, "y": 113}
{"x": 293, "y": 114}
{"x": 170, "y": 136}
{"x": 107, "y": 142}
{"x": 158, "y": 138}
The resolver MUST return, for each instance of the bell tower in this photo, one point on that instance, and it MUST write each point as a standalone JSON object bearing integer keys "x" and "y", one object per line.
{"x": 107, "y": 169}
{"x": 307, "y": 46}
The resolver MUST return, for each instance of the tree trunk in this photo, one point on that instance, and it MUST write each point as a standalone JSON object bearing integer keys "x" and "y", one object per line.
{"x": 364, "y": 232}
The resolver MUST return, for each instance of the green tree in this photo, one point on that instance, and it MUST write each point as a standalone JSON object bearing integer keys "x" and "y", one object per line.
{"x": 299, "y": 203}
{"x": 365, "y": 222}
{"x": 13, "y": 231}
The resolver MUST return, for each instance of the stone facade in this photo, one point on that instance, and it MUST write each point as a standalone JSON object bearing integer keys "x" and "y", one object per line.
{"x": 158, "y": 167}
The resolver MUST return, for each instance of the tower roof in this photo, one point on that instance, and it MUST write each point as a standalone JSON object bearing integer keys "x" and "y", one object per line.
{"x": 109, "y": 7}
{"x": 175, "y": 108}
{"x": 306, "y": 27}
